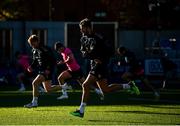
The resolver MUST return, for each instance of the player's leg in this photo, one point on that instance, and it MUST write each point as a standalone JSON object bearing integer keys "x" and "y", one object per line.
{"x": 129, "y": 76}
{"x": 102, "y": 83}
{"x": 35, "y": 84}
{"x": 61, "y": 79}
{"x": 85, "y": 95}
{"x": 97, "y": 90}
{"x": 147, "y": 84}
{"x": 49, "y": 87}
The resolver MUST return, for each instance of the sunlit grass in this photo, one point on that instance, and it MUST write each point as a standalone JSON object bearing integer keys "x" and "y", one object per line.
{"x": 117, "y": 109}
{"x": 99, "y": 115}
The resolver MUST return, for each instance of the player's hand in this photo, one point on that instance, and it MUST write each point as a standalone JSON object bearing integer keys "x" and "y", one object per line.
{"x": 97, "y": 61}
{"x": 60, "y": 62}
{"x": 119, "y": 63}
{"x": 29, "y": 69}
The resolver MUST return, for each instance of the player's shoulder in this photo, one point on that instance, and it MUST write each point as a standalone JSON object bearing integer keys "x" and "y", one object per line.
{"x": 67, "y": 50}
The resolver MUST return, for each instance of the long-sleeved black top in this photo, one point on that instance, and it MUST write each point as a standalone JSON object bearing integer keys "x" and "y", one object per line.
{"x": 42, "y": 59}
{"x": 94, "y": 47}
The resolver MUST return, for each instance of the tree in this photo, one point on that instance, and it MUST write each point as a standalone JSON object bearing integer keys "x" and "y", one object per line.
{"x": 13, "y": 10}
{"x": 129, "y": 13}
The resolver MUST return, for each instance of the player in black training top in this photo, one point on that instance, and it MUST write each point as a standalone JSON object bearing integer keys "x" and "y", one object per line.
{"x": 93, "y": 47}
{"x": 43, "y": 63}
{"x": 135, "y": 69}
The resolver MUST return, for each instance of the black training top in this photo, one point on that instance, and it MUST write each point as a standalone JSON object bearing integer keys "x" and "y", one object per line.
{"x": 42, "y": 58}
{"x": 129, "y": 58}
{"x": 93, "y": 47}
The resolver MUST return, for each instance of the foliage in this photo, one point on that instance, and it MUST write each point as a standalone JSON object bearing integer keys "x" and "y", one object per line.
{"x": 12, "y": 9}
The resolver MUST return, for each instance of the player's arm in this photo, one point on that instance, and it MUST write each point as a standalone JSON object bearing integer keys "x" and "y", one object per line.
{"x": 33, "y": 64}
{"x": 70, "y": 57}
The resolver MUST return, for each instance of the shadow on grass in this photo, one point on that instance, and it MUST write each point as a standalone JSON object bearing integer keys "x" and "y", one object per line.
{"x": 16, "y": 99}
{"x": 104, "y": 121}
{"x": 112, "y": 121}
{"x": 154, "y": 106}
{"x": 138, "y": 112}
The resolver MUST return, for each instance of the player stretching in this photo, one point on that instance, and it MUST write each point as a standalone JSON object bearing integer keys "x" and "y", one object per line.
{"x": 94, "y": 48}
{"x": 74, "y": 71}
{"x": 43, "y": 64}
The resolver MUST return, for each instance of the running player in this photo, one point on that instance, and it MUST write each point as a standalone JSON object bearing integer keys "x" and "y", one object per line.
{"x": 94, "y": 48}
{"x": 74, "y": 71}
{"x": 43, "y": 64}
{"x": 134, "y": 70}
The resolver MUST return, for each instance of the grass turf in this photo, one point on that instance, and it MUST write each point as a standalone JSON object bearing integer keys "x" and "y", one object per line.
{"x": 118, "y": 108}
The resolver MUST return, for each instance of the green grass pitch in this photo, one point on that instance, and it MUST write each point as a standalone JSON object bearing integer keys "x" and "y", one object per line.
{"x": 118, "y": 108}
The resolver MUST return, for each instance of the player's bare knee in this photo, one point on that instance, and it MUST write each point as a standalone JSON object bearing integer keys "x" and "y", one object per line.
{"x": 47, "y": 90}
{"x": 35, "y": 84}
{"x": 59, "y": 78}
{"x": 106, "y": 90}
{"x": 85, "y": 86}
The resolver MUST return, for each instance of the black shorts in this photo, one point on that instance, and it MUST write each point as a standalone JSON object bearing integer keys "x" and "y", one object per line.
{"x": 100, "y": 71}
{"x": 47, "y": 76}
{"x": 137, "y": 72}
{"x": 78, "y": 74}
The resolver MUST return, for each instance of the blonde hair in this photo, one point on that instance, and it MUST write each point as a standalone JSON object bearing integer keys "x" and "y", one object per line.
{"x": 86, "y": 23}
{"x": 33, "y": 38}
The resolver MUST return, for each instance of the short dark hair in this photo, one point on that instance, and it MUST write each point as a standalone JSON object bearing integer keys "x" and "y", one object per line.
{"x": 85, "y": 22}
{"x": 121, "y": 49}
{"x": 58, "y": 45}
